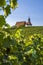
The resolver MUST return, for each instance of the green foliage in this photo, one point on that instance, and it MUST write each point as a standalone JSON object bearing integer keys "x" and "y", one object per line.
{"x": 30, "y": 48}
{"x": 7, "y": 42}
{"x": 13, "y": 3}
{"x": 6, "y": 25}
{"x": 7, "y": 5}
{"x": 7, "y": 10}
{"x": 19, "y": 50}
{"x": 2, "y": 3}
{"x": 2, "y": 20}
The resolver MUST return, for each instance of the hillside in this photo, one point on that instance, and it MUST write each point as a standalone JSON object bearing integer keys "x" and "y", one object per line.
{"x": 29, "y": 30}
{"x": 33, "y": 29}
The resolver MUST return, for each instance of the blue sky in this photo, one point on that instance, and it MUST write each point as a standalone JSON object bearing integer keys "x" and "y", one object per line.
{"x": 27, "y": 8}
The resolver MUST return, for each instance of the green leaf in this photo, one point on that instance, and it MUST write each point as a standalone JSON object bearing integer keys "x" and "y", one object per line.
{"x": 8, "y": 42}
{"x": 12, "y": 57}
{"x": 13, "y": 4}
{"x": 2, "y": 21}
{"x": 2, "y": 3}
{"x": 7, "y": 10}
{"x": 1, "y": 38}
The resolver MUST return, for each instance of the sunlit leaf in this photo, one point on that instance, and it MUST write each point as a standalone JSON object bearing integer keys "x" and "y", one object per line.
{"x": 13, "y": 4}
{"x": 7, "y": 10}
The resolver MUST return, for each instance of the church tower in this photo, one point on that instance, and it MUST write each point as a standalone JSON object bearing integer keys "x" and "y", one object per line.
{"x": 29, "y": 21}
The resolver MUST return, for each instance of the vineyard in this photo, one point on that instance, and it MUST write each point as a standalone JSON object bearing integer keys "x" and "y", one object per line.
{"x": 21, "y": 46}
{"x": 29, "y": 30}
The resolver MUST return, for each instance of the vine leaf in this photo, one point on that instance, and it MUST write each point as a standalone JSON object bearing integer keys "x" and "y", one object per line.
{"x": 2, "y": 20}
{"x": 7, "y": 10}
{"x": 13, "y": 4}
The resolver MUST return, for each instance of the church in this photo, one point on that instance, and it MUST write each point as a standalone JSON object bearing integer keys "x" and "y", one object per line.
{"x": 23, "y": 23}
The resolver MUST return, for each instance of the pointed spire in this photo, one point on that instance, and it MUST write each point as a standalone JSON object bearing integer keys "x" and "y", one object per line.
{"x": 29, "y": 19}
